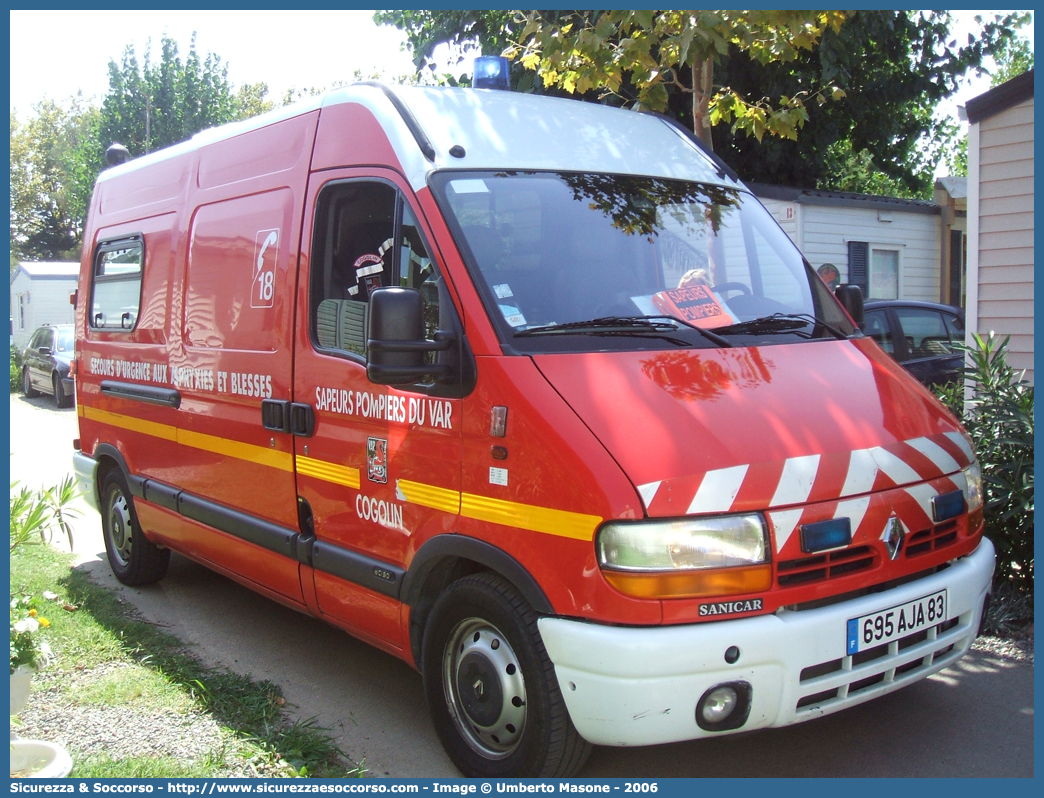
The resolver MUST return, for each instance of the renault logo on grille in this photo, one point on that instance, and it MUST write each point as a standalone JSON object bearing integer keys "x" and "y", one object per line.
{"x": 893, "y": 537}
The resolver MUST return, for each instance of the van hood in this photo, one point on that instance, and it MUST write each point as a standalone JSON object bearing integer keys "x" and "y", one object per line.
{"x": 746, "y": 429}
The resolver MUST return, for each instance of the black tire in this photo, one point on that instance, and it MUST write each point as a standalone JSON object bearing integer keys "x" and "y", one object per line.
{"x": 511, "y": 722}
{"x": 27, "y": 384}
{"x": 60, "y": 398}
{"x": 133, "y": 559}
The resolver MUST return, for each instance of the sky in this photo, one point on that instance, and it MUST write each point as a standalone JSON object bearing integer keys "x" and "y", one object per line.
{"x": 286, "y": 49}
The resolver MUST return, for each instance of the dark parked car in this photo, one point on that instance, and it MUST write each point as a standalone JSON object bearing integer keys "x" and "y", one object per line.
{"x": 920, "y": 335}
{"x": 45, "y": 363}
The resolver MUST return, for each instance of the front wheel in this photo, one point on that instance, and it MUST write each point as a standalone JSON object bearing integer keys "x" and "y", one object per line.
{"x": 133, "y": 559}
{"x": 27, "y": 384}
{"x": 61, "y": 399}
{"x": 491, "y": 688}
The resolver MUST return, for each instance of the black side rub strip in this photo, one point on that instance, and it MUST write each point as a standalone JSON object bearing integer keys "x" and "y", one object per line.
{"x": 358, "y": 568}
{"x": 150, "y": 394}
{"x": 367, "y": 572}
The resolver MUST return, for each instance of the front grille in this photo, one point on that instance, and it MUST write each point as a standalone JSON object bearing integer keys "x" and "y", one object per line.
{"x": 822, "y": 567}
{"x": 831, "y": 685}
{"x": 929, "y": 540}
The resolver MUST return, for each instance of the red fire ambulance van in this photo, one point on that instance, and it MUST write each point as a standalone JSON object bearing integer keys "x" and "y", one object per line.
{"x": 533, "y": 394}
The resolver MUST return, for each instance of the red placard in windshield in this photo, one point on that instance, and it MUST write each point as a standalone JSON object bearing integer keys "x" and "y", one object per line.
{"x": 695, "y": 304}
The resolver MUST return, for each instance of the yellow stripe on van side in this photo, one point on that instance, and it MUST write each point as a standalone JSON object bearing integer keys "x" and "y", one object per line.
{"x": 429, "y": 496}
{"x": 563, "y": 523}
{"x": 261, "y": 455}
{"x": 156, "y": 430}
{"x": 328, "y": 472}
{"x": 284, "y": 461}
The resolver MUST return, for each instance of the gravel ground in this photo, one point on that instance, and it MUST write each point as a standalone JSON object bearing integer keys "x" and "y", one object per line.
{"x": 88, "y": 730}
{"x": 1018, "y": 648}
{"x": 118, "y": 731}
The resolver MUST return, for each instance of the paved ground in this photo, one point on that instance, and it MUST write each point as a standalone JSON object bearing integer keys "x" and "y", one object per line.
{"x": 974, "y": 719}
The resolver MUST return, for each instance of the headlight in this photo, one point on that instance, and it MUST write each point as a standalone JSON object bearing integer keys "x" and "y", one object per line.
{"x": 700, "y": 556}
{"x": 689, "y": 543}
{"x": 973, "y": 487}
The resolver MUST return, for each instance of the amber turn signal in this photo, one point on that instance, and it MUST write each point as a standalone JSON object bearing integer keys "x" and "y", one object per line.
{"x": 975, "y": 519}
{"x": 692, "y": 584}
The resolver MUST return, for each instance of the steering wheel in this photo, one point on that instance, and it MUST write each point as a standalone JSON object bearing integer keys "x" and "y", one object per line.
{"x": 721, "y": 288}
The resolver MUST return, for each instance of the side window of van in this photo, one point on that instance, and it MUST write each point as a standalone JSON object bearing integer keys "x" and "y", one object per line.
{"x": 416, "y": 270}
{"x": 355, "y": 251}
{"x": 352, "y": 255}
{"x": 116, "y": 284}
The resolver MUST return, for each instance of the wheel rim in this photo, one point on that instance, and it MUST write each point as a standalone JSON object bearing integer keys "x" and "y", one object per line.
{"x": 485, "y": 690}
{"x": 120, "y": 527}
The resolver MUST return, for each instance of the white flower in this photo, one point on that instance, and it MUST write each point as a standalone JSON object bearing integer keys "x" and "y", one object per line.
{"x": 27, "y": 625}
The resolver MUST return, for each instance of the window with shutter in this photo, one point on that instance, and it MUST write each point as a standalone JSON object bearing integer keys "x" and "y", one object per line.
{"x": 858, "y": 252}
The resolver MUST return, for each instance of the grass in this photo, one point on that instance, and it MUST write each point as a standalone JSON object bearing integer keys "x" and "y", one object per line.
{"x": 157, "y": 674}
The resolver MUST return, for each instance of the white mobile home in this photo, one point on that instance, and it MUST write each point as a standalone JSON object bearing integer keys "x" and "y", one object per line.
{"x": 40, "y": 295}
{"x": 887, "y": 246}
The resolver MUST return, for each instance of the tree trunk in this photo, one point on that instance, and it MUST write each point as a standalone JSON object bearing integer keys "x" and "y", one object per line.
{"x": 702, "y": 87}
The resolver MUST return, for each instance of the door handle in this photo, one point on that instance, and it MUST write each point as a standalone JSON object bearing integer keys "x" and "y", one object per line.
{"x": 302, "y": 420}
{"x": 275, "y": 415}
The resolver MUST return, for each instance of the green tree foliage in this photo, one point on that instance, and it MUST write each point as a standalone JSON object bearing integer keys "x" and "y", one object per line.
{"x": 59, "y": 150}
{"x": 152, "y": 106}
{"x": 252, "y": 100}
{"x": 1013, "y": 57}
{"x": 54, "y": 160}
{"x": 893, "y": 68}
{"x": 649, "y": 53}
{"x": 490, "y": 31}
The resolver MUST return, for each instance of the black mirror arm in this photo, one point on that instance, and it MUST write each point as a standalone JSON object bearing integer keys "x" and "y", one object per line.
{"x": 406, "y": 375}
{"x": 443, "y": 341}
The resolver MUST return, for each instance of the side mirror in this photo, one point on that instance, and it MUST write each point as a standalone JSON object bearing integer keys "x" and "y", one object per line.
{"x": 395, "y": 342}
{"x": 851, "y": 299}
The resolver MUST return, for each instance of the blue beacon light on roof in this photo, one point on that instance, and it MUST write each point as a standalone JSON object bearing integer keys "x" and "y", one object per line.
{"x": 490, "y": 72}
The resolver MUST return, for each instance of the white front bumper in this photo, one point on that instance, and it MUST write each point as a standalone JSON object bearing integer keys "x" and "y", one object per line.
{"x": 640, "y": 686}
{"x": 86, "y": 470}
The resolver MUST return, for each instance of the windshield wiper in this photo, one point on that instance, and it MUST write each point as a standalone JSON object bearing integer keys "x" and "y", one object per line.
{"x": 782, "y": 323}
{"x": 621, "y": 325}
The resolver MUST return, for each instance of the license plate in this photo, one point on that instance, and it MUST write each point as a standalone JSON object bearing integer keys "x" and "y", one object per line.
{"x": 884, "y": 626}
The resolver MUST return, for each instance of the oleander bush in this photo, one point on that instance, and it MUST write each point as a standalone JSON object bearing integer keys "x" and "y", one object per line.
{"x": 999, "y": 417}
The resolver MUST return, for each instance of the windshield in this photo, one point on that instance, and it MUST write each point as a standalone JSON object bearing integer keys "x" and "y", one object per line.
{"x": 65, "y": 340}
{"x": 560, "y": 256}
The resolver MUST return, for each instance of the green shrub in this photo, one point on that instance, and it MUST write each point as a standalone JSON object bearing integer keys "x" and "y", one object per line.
{"x": 16, "y": 369}
{"x": 999, "y": 418}
{"x": 43, "y": 512}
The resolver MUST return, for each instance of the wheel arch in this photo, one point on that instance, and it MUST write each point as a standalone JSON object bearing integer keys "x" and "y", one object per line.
{"x": 109, "y": 457}
{"x": 443, "y": 560}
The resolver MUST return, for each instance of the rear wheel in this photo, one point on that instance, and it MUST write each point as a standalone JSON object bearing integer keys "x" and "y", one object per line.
{"x": 27, "y": 384}
{"x": 133, "y": 559}
{"x": 61, "y": 399}
{"x": 491, "y": 688}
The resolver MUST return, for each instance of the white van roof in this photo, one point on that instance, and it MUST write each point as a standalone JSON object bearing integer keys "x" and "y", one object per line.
{"x": 496, "y": 130}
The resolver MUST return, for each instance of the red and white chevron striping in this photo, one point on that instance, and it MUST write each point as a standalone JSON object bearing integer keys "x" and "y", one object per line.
{"x": 787, "y": 488}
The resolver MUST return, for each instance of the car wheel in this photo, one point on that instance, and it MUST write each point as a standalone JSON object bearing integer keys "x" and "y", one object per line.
{"x": 60, "y": 398}
{"x": 133, "y": 559}
{"x": 27, "y": 384}
{"x": 491, "y": 688}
